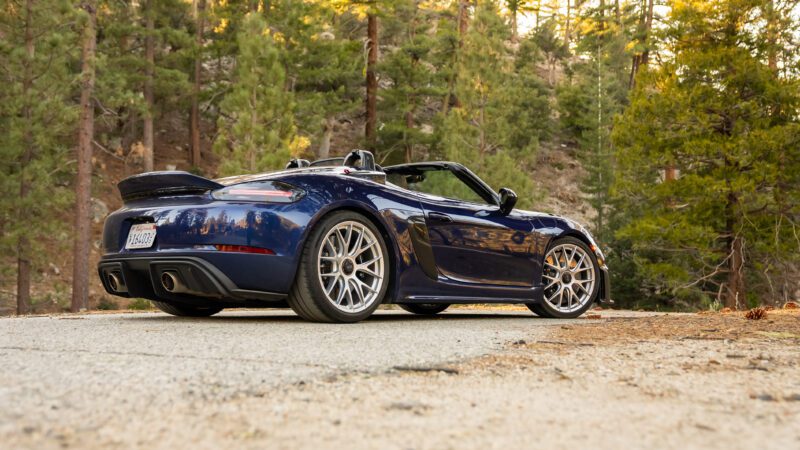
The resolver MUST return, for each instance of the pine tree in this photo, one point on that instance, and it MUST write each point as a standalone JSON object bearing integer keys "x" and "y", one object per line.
{"x": 256, "y": 126}
{"x": 413, "y": 83}
{"x": 474, "y": 132}
{"x": 596, "y": 91}
{"x": 83, "y": 180}
{"x": 726, "y": 121}
{"x": 35, "y": 121}
{"x": 323, "y": 68}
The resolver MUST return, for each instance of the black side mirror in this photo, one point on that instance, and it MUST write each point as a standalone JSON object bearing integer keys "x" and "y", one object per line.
{"x": 508, "y": 199}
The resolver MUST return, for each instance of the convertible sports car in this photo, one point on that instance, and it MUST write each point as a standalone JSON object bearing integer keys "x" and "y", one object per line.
{"x": 335, "y": 238}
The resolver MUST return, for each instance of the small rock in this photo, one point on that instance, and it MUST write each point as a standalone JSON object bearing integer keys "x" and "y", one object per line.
{"x": 763, "y": 397}
{"x": 792, "y": 398}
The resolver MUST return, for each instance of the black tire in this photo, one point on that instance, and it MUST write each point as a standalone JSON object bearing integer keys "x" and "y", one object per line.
{"x": 545, "y": 309}
{"x": 307, "y": 297}
{"x": 428, "y": 309}
{"x": 187, "y": 310}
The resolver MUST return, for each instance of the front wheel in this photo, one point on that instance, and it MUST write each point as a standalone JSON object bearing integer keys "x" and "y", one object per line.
{"x": 344, "y": 270}
{"x": 187, "y": 310}
{"x": 571, "y": 280}
{"x": 424, "y": 308}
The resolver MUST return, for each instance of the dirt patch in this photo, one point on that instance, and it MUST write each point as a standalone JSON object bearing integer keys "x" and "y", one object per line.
{"x": 779, "y": 325}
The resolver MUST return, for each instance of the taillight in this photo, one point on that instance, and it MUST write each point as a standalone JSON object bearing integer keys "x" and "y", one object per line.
{"x": 260, "y": 192}
{"x": 244, "y": 249}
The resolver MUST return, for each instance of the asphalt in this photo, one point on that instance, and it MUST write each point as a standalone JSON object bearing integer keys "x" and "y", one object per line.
{"x": 81, "y": 368}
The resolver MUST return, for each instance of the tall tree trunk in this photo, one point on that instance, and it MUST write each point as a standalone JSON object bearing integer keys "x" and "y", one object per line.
{"x": 83, "y": 185}
{"x": 514, "y": 30}
{"x": 194, "y": 114}
{"x": 463, "y": 17}
{"x": 772, "y": 36}
{"x": 370, "y": 132}
{"x": 23, "y": 246}
{"x": 645, "y": 25}
{"x": 149, "y": 56}
{"x": 462, "y": 22}
{"x": 735, "y": 297}
{"x": 567, "y": 24}
{"x": 409, "y": 127}
{"x": 324, "y": 150}
{"x": 648, "y": 25}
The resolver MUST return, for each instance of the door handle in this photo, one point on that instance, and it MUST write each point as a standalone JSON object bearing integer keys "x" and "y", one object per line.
{"x": 439, "y": 217}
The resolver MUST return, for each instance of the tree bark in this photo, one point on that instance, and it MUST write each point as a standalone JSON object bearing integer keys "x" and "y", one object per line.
{"x": 648, "y": 25}
{"x": 370, "y": 128}
{"x": 736, "y": 296}
{"x": 409, "y": 127}
{"x": 645, "y": 25}
{"x": 83, "y": 185}
{"x": 149, "y": 55}
{"x": 567, "y": 24}
{"x": 772, "y": 36}
{"x": 324, "y": 150}
{"x": 194, "y": 114}
{"x": 23, "y": 261}
{"x": 463, "y": 18}
{"x": 514, "y": 29}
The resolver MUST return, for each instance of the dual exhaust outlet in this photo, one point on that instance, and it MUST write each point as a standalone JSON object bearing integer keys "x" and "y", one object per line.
{"x": 169, "y": 279}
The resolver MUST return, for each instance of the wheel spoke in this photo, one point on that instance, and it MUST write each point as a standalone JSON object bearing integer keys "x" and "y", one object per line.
{"x": 357, "y": 245}
{"x": 340, "y": 294}
{"x": 369, "y": 272}
{"x": 357, "y": 288}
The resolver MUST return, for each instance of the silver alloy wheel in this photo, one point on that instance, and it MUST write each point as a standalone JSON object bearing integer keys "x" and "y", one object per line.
{"x": 351, "y": 266}
{"x": 569, "y": 277}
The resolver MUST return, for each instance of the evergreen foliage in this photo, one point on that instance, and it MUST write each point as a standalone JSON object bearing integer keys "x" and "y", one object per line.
{"x": 256, "y": 123}
{"x": 36, "y": 121}
{"x": 684, "y": 118}
{"x": 728, "y": 123}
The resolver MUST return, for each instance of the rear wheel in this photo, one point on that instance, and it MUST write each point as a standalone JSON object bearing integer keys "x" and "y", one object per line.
{"x": 187, "y": 310}
{"x": 571, "y": 280}
{"x": 343, "y": 273}
{"x": 424, "y": 308}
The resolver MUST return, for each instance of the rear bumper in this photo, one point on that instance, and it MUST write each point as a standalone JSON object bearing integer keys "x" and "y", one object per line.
{"x": 198, "y": 279}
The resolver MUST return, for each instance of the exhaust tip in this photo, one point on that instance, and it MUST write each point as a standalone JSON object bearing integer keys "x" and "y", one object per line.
{"x": 169, "y": 281}
{"x": 114, "y": 282}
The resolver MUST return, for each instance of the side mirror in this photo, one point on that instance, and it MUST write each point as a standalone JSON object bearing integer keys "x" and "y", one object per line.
{"x": 508, "y": 199}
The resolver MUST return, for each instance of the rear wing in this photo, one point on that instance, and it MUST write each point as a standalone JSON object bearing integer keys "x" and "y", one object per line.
{"x": 158, "y": 184}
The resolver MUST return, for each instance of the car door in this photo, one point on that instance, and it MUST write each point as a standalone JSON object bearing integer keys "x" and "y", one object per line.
{"x": 475, "y": 243}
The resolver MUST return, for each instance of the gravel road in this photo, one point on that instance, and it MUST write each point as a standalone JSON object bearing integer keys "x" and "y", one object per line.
{"x": 256, "y": 379}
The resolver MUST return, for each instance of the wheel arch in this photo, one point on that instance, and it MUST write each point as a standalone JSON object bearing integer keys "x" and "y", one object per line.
{"x": 602, "y": 292}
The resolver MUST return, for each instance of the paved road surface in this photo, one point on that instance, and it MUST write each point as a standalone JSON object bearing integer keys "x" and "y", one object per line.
{"x": 77, "y": 370}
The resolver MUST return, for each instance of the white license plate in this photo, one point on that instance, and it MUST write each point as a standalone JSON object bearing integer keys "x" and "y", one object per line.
{"x": 142, "y": 235}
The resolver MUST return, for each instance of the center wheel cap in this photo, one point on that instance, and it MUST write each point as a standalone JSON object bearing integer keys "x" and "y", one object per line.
{"x": 348, "y": 266}
{"x": 566, "y": 278}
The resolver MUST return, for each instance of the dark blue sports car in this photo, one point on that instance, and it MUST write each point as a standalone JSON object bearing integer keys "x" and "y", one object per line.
{"x": 335, "y": 238}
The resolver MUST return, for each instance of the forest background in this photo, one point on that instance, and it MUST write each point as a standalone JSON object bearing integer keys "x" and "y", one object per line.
{"x": 670, "y": 129}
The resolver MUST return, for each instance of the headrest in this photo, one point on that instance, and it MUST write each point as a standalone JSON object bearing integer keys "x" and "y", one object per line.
{"x": 360, "y": 159}
{"x": 295, "y": 163}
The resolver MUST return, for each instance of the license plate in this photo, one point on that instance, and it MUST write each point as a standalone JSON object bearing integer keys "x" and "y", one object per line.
{"x": 142, "y": 235}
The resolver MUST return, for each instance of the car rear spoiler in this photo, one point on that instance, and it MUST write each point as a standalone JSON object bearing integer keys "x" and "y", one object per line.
{"x": 157, "y": 184}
